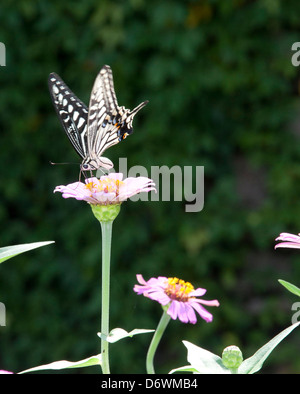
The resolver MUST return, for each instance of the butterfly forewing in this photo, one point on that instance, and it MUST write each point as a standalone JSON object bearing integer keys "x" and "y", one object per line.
{"x": 72, "y": 112}
{"x": 103, "y": 114}
{"x": 106, "y": 79}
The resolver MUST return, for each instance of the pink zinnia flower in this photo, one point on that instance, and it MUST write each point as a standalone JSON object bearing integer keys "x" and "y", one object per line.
{"x": 179, "y": 294}
{"x": 109, "y": 189}
{"x": 289, "y": 241}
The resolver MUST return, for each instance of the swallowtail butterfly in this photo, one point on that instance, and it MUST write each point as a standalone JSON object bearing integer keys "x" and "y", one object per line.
{"x": 92, "y": 130}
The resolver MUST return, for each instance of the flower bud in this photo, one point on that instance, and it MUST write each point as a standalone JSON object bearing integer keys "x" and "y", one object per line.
{"x": 232, "y": 357}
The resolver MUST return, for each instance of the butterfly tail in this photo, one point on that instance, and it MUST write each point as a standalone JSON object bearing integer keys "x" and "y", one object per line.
{"x": 136, "y": 109}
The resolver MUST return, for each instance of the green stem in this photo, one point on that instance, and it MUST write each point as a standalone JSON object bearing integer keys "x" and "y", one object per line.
{"x": 106, "y": 227}
{"x": 164, "y": 320}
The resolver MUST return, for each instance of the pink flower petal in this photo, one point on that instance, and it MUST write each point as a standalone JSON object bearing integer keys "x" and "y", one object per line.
{"x": 191, "y": 315}
{"x": 134, "y": 186}
{"x": 182, "y": 311}
{"x": 153, "y": 289}
{"x": 288, "y": 245}
{"x": 207, "y": 302}
{"x": 140, "y": 279}
{"x": 288, "y": 237}
{"x": 198, "y": 292}
{"x": 202, "y": 312}
{"x": 173, "y": 309}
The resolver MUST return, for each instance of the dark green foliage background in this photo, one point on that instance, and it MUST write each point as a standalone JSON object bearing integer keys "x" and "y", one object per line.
{"x": 224, "y": 95}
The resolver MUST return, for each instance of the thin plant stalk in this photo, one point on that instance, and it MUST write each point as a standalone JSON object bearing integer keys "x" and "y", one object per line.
{"x": 164, "y": 320}
{"x": 106, "y": 227}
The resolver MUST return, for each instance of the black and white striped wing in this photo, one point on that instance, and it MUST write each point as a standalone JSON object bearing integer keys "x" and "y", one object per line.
{"x": 103, "y": 116}
{"x": 72, "y": 112}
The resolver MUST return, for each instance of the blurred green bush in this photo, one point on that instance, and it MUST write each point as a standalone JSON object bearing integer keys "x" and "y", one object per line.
{"x": 224, "y": 95}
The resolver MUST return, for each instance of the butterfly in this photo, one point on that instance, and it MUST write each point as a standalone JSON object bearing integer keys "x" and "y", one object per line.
{"x": 94, "y": 129}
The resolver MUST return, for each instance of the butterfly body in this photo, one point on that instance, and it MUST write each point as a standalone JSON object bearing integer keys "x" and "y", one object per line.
{"x": 94, "y": 129}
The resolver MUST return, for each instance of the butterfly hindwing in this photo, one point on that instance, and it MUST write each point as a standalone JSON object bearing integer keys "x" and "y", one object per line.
{"x": 72, "y": 112}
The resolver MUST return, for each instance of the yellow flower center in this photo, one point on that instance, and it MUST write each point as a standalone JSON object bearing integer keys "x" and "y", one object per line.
{"x": 178, "y": 289}
{"x": 106, "y": 185}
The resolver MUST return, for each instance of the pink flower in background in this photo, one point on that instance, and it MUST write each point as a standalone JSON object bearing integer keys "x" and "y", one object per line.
{"x": 179, "y": 294}
{"x": 289, "y": 241}
{"x": 109, "y": 189}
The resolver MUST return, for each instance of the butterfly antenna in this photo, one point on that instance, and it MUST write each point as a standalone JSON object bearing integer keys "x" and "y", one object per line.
{"x": 54, "y": 164}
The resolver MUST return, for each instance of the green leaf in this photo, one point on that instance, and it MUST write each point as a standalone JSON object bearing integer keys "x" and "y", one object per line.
{"x": 10, "y": 251}
{"x": 290, "y": 287}
{"x": 254, "y": 363}
{"x": 186, "y": 368}
{"x": 63, "y": 364}
{"x": 119, "y": 333}
{"x": 204, "y": 361}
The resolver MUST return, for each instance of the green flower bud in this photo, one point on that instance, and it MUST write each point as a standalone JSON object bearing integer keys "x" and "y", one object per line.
{"x": 232, "y": 357}
{"x": 106, "y": 213}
